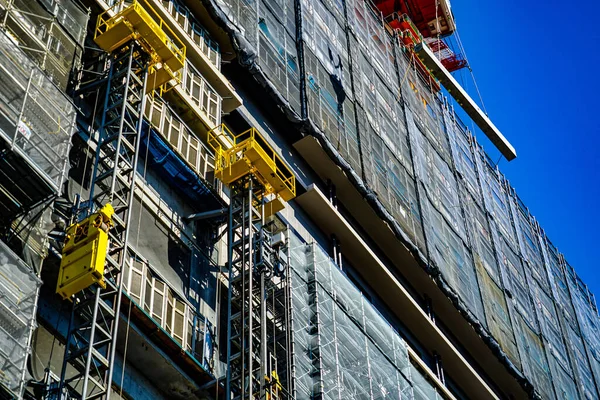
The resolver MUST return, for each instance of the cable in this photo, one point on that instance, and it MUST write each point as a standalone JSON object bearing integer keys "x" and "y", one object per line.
{"x": 464, "y": 53}
{"x": 477, "y": 89}
{"x": 125, "y": 349}
{"x": 137, "y": 239}
{"x": 54, "y": 336}
{"x": 404, "y": 77}
{"x": 499, "y": 159}
{"x": 85, "y": 166}
{"x": 438, "y": 29}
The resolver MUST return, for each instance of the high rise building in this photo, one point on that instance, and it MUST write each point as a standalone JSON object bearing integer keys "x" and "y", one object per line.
{"x": 267, "y": 199}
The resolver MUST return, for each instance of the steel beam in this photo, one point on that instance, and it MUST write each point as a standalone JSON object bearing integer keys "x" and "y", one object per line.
{"x": 465, "y": 101}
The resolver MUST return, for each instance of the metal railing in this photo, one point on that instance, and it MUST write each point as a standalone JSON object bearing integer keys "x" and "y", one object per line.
{"x": 194, "y": 29}
{"x": 201, "y": 93}
{"x": 36, "y": 117}
{"x": 230, "y": 148}
{"x": 153, "y": 21}
{"x": 171, "y": 312}
{"x": 42, "y": 36}
{"x": 180, "y": 137}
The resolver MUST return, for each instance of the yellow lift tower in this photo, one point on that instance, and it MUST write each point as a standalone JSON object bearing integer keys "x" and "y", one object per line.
{"x": 258, "y": 345}
{"x": 144, "y": 54}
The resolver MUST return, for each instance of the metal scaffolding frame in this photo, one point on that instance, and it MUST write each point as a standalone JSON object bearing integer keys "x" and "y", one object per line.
{"x": 426, "y": 170}
{"x": 19, "y": 289}
{"x": 50, "y": 32}
{"x": 258, "y": 339}
{"x": 91, "y": 341}
{"x": 345, "y": 348}
{"x": 434, "y": 185}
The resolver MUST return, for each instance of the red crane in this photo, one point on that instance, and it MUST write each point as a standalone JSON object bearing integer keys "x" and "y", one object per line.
{"x": 450, "y": 60}
{"x": 431, "y": 17}
{"x": 428, "y": 19}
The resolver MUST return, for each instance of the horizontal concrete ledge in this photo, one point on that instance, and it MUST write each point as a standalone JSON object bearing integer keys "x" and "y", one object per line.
{"x": 465, "y": 101}
{"x": 394, "y": 294}
{"x": 433, "y": 377}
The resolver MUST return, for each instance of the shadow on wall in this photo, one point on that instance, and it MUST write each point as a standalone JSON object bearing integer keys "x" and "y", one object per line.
{"x": 166, "y": 254}
{"x": 204, "y": 269}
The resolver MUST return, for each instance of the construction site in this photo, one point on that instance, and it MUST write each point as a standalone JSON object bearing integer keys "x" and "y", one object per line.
{"x": 267, "y": 200}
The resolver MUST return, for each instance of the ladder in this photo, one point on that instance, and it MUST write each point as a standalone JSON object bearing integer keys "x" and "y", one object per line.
{"x": 246, "y": 290}
{"x": 92, "y": 336}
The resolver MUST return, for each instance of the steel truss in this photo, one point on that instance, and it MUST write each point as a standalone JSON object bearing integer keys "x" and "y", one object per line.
{"x": 258, "y": 301}
{"x": 92, "y": 337}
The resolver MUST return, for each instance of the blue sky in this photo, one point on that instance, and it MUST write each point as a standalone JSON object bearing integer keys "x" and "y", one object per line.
{"x": 535, "y": 63}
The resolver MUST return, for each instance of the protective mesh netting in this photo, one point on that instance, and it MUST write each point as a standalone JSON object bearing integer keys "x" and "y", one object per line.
{"x": 343, "y": 348}
{"x": 344, "y": 74}
{"x": 18, "y": 298}
{"x": 35, "y": 116}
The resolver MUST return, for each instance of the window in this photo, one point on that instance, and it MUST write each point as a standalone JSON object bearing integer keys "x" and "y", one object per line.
{"x": 158, "y": 301}
{"x": 201, "y": 93}
{"x": 148, "y": 291}
{"x": 200, "y": 338}
{"x": 170, "y": 307}
{"x": 190, "y": 331}
{"x": 153, "y": 113}
{"x": 196, "y": 32}
{"x": 182, "y": 17}
{"x": 175, "y": 133}
{"x": 185, "y": 144}
{"x": 136, "y": 274}
{"x": 193, "y": 155}
{"x": 170, "y": 312}
{"x": 179, "y": 321}
{"x": 189, "y": 147}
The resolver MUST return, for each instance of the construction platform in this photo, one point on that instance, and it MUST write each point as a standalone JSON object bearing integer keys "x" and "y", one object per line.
{"x": 248, "y": 152}
{"x": 135, "y": 22}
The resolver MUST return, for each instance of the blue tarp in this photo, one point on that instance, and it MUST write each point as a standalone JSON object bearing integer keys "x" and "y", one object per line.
{"x": 169, "y": 165}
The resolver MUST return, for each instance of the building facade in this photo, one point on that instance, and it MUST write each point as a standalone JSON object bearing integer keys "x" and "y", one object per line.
{"x": 404, "y": 265}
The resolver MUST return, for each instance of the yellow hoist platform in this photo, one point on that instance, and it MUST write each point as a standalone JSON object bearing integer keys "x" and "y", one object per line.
{"x": 84, "y": 253}
{"x": 142, "y": 23}
{"x": 249, "y": 153}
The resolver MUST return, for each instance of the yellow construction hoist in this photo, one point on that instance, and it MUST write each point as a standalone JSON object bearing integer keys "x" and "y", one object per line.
{"x": 258, "y": 324}
{"x": 84, "y": 253}
{"x": 143, "y": 54}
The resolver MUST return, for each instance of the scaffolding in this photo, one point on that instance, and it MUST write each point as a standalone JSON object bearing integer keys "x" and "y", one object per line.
{"x": 270, "y": 28}
{"x": 37, "y": 122}
{"x": 256, "y": 306}
{"x": 258, "y": 333}
{"x": 19, "y": 289}
{"x": 343, "y": 347}
{"x": 92, "y": 330}
{"x": 51, "y": 33}
{"x": 375, "y": 114}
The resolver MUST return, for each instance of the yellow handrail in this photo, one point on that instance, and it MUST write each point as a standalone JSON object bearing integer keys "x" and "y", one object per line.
{"x": 220, "y": 135}
{"x": 230, "y": 148}
{"x": 169, "y": 39}
{"x": 179, "y": 48}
